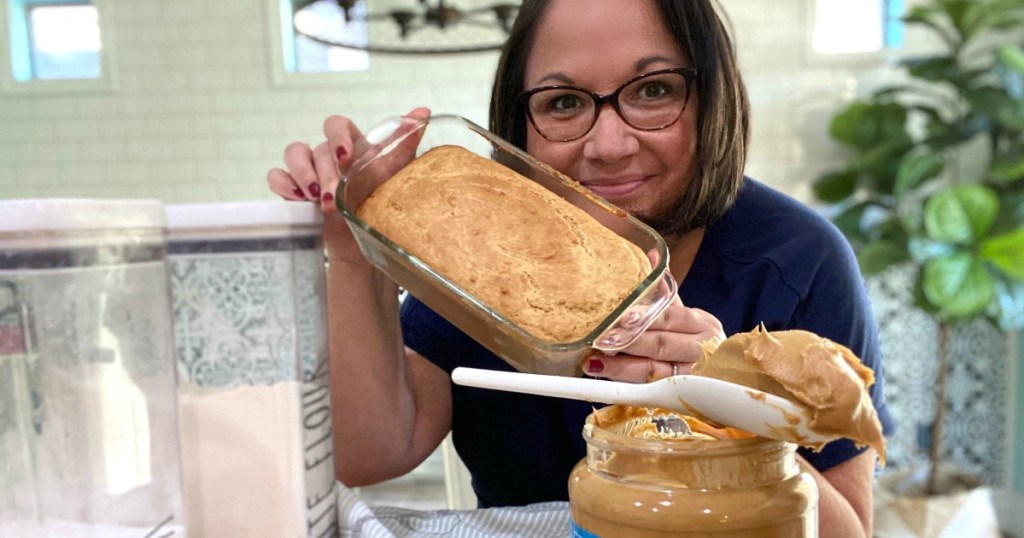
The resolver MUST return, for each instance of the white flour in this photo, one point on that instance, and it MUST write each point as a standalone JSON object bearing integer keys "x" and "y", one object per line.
{"x": 243, "y": 462}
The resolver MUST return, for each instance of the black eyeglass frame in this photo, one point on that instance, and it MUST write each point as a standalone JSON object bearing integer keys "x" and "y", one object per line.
{"x": 689, "y": 74}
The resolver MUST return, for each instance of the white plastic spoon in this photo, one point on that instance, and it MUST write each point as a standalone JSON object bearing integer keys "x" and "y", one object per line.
{"x": 725, "y": 403}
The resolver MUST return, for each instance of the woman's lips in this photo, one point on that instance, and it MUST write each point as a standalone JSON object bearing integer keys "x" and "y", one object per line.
{"x": 614, "y": 189}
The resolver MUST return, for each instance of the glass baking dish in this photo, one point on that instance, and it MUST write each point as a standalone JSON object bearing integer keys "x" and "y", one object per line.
{"x": 394, "y": 143}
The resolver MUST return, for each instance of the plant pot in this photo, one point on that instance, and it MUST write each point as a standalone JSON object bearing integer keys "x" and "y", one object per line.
{"x": 962, "y": 507}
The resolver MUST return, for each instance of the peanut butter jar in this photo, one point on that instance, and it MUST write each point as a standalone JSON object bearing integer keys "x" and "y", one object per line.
{"x": 643, "y": 478}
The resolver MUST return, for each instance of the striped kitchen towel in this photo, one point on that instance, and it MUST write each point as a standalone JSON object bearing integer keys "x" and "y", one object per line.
{"x": 358, "y": 520}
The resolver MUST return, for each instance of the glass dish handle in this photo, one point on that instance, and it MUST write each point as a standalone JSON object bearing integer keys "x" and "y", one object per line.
{"x": 639, "y": 316}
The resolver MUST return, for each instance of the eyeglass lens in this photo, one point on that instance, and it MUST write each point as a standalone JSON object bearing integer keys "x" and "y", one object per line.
{"x": 648, "y": 103}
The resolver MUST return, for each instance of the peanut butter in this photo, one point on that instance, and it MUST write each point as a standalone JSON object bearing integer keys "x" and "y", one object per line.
{"x": 824, "y": 377}
{"x": 639, "y": 480}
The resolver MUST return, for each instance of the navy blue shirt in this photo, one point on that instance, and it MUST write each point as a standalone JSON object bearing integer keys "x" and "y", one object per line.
{"x": 768, "y": 260}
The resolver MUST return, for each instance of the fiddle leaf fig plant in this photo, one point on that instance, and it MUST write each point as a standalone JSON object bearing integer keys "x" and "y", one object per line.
{"x": 935, "y": 176}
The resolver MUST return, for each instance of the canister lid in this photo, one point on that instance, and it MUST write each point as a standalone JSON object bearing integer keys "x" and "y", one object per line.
{"x": 68, "y": 214}
{"x": 241, "y": 215}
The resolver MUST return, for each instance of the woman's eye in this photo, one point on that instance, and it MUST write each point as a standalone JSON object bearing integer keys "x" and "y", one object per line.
{"x": 564, "y": 103}
{"x": 654, "y": 90}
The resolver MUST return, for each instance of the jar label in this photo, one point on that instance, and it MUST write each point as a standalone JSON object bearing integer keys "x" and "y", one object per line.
{"x": 580, "y": 532}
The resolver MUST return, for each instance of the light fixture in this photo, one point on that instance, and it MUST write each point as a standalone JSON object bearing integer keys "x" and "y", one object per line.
{"x": 406, "y": 26}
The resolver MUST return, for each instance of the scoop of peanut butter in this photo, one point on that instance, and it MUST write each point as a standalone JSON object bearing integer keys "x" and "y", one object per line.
{"x": 824, "y": 377}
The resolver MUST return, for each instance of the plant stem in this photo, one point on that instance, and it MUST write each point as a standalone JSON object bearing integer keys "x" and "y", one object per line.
{"x": 945, "y": 332}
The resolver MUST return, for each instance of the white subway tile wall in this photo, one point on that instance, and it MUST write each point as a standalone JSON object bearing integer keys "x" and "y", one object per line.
{"x": 197, "y": 114}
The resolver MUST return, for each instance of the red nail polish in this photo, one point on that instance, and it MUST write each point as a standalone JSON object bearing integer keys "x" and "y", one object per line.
{"x": 595, "y": 366}
{"x": 340, "y": 152}
{"x": 327, "y": 197}
{"x": 298, "y": 192}
{"x": 314, "y": 189}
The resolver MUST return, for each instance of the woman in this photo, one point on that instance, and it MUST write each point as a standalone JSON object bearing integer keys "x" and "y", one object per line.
{"x": 743, "y": 254}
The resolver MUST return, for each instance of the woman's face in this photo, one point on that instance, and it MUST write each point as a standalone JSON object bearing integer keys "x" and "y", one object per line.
{"x": 599, "y": 45}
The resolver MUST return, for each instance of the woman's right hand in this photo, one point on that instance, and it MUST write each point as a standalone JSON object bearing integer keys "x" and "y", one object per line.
{"x": 313, "y": 174}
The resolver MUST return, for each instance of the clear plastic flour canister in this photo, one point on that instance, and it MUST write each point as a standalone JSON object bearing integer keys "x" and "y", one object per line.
{"x": 88, "y": 410}
{"x": 247, "y": 289}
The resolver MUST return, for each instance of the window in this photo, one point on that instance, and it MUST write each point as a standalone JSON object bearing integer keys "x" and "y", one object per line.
{"x": 54, "y": 43}
{"x": 300, "y": 54}
{"x": 857, "y": 26}
{"x": 63, "y": 41}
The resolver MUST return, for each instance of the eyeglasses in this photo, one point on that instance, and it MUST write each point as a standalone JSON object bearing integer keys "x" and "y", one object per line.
{"x": 648, "y": 102}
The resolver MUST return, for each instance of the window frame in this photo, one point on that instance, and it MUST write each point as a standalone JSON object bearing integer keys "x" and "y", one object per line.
{"x": 277, "y": 12}
{"x": 9, "y": 9}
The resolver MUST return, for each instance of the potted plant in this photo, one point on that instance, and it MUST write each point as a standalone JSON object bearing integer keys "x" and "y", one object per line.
{"x": 936, "y": 176}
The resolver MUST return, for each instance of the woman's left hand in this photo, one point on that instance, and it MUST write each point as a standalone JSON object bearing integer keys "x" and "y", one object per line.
{"x": 673, "y": 339}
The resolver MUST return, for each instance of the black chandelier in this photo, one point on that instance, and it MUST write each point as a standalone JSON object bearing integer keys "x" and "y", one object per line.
{"x": 421, "y": 27}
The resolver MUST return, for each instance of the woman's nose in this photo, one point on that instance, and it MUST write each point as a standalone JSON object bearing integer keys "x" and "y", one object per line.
{"x": 611, "y": 139}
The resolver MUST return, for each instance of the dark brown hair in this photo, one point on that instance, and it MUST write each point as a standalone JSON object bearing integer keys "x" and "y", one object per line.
{"x": 723, "y": 117}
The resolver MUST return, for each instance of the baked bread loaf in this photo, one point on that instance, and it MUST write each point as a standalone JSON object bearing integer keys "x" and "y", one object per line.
{"x": 522, "y": 250}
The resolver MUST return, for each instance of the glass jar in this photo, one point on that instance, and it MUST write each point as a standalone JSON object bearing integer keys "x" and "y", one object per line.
{"x": 635, "y": 487}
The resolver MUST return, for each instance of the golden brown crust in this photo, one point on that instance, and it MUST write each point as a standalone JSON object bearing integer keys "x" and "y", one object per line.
{"x": 535, "y": 258}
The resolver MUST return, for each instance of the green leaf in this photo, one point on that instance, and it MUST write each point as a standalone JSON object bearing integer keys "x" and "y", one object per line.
{"x": 961, "y": 214}
{"x": 1006, "y": 252}
{"x": 863, "y": 125}
{"x": 1011, "y": 213}
{"x": 1001, "y": 14}
{"x": 997, "y": 104}
{"x": 1008, "y": 167}
{"x": 881, "y": 228}
{"x": 958, "y": 284}
{"x": 849, "y": 221}
{"x": 964, "y": 14}
{"x": 877, "y": 256}
{"x": 913, "y": 98}
{"x": 836, "y": 186}
{"x": 911, "y": 218}
{"x": 1011, "y": 57}
{"x": 942, "y": 134}
{"x": 916, "y": 168}
{"x": 1010, "y": 67}
{"x": 922, "y": 13}
{"x": 1007, "y": 22}
{"x": 1006, "y": 7}
{"x": 920, "y": 299}
{"x": 935, "y": 69}
{"x": 975, "y": 19}
{"x": 926, "y": 16}
{"x": 881, "y": 163}
{"x": 970, "y": 17}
